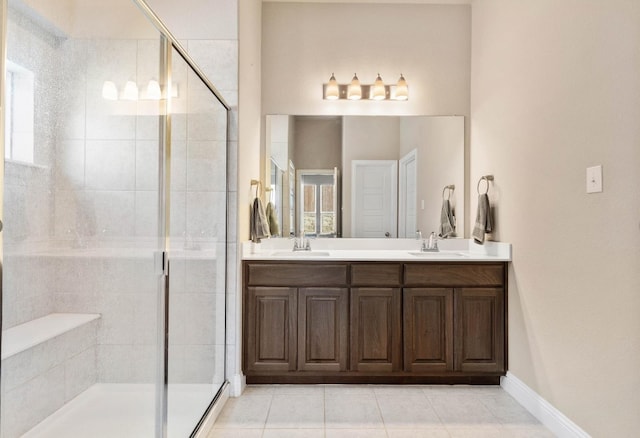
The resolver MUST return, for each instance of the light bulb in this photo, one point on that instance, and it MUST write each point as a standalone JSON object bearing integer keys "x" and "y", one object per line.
{"x": 332, "y": 91}
{"x": 355, "y": 91}
{"x": 378, "y": 91}
{"x": 402, "y": 89}
{"x": 130, "y": 91}
{"x": 153, "y": 90}
{"x": 109, "y": 91}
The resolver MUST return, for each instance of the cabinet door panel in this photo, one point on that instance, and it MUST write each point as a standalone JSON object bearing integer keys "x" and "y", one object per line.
{"x": 428, "y": 329}
{"x": 376, "y": 337}
{"x": 271, "y": 329}
{"x": 323, "y": 327}
{"x": 480, "y": 330}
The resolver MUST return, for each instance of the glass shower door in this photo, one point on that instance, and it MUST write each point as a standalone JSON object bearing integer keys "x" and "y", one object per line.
{"x": 197, "y": 256}
{"x": 81, "y": 207}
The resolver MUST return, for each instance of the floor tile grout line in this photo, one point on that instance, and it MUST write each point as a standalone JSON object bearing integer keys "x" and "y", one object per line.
{"x": 384, "y": 425}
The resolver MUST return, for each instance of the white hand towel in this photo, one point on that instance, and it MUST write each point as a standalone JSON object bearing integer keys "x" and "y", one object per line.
{"x": 484, "y": 222}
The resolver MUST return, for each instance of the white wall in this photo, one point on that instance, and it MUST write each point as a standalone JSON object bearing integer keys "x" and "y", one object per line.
{"x": 555, "y": 89}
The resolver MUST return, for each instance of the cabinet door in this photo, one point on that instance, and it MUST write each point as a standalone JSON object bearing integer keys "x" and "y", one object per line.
{"x": 428, "y": 330}
{"x": 479, "y": 314}
{"x": 323, "y": 329}
{"x": 271, "y": 329}
{"x": 376, "y": 337}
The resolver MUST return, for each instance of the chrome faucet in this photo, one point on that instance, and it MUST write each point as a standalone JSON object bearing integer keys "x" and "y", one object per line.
{"x": 302, "y": 244}
{"x": 431, "y": 245}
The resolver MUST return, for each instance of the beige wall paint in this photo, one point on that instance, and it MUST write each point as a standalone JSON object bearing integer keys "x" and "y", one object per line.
{"x": 439, "y": 142}
{"x": 318, "y": 143}
{"x": 365, "y": 138}
{"x": 304, "y": 43}
{"x": 555, "y": 89}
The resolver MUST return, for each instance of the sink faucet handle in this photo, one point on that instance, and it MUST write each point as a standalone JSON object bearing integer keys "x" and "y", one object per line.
{"x": 418, "y": 234}
{"x": 433, "y": 241}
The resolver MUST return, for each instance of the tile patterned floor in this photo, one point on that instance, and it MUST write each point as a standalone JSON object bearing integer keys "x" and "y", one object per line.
{"x": 375, "y": 411}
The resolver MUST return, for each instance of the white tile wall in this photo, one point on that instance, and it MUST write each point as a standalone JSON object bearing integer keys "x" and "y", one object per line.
{"x": 111, "y": 165}
{"x": 39, "y": 380}
{"x": 101, "y": 184}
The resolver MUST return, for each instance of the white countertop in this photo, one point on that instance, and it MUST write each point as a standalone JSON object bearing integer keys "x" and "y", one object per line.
{"x": 451, "y": 250}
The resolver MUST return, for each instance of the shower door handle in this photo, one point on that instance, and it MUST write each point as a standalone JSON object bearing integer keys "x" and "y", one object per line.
{"x": 161, "y": 263}
{"x": 1, "y": 225}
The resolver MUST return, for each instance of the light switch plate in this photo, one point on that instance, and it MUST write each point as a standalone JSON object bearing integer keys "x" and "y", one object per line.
{"x": 594, "y": 179}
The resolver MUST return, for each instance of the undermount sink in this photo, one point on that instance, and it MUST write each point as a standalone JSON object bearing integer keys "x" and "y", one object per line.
{"x": 300, "y": 254}
{"x": 438, "y": 254}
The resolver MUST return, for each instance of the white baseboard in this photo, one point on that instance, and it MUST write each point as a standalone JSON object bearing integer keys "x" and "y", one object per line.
{"x": 238, "y": 384}
{"x": 207, "y": 424}
{"x": 544, "y": 411}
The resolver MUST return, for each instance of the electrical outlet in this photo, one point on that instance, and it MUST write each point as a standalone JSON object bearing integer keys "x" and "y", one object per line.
{"x": 594, "y": 179}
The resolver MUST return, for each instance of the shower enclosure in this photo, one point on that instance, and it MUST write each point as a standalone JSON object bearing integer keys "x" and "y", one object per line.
{"x": 113, "y": 251}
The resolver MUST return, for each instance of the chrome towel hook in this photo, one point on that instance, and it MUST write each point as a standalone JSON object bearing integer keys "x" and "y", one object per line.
{"x": 451, "y": 188}
{"x": 486, "y": 178}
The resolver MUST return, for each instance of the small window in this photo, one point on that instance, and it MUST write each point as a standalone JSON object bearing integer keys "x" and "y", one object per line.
{"x": 19, "y": 106}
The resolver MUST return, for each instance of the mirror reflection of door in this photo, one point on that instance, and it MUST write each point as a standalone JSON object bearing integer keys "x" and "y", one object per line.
{"x": 318, "y": 201}
{"x": 375, "y": 198}
{"x": 407, "y": 195}
{"x": 276, "y": 199}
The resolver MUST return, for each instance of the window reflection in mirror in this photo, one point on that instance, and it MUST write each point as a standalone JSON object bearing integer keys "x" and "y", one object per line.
{"x": 319, "y": 203}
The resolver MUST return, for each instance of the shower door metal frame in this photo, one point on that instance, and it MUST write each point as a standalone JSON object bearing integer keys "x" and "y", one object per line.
{"x": 3, "y": 56}
{"x": 169, "y": 42}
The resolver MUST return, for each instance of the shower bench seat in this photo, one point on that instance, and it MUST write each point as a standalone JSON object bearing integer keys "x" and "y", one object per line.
{"x": 32, "y": 333}
{"x": 55, "y": 351}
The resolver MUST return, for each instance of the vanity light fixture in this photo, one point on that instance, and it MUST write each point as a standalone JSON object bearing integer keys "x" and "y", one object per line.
{"x": 357, "y": 91}
{"x": 152, "y": 91}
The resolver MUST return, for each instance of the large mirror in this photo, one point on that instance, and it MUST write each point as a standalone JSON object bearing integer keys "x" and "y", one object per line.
{"x": 366, "y": 176}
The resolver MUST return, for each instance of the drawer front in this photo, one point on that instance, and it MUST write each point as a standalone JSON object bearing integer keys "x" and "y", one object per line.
{"x": 376, "y": 274}
{"x": 296, "y": 274}
{"x": 452, "y": 275}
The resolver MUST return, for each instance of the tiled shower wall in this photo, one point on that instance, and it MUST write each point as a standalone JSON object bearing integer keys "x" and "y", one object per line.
{"x": 95, "y": 184}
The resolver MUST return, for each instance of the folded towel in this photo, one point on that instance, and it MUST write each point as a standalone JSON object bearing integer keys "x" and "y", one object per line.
{"x": 274, "y": 227}
{"x": 258, "y": 227}
{"x": 447, "y": 220}
{"x": 484, "y": 222}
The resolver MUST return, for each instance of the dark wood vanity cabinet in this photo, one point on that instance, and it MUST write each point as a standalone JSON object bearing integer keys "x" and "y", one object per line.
{"x": 322, "y": 329}
{"x": 480, "y": 334}
{"x": 376, "y": 317}
{"x": 271, "y": 333}
{"x": 428, "y": 330}
{"x": 342, "y": 322}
